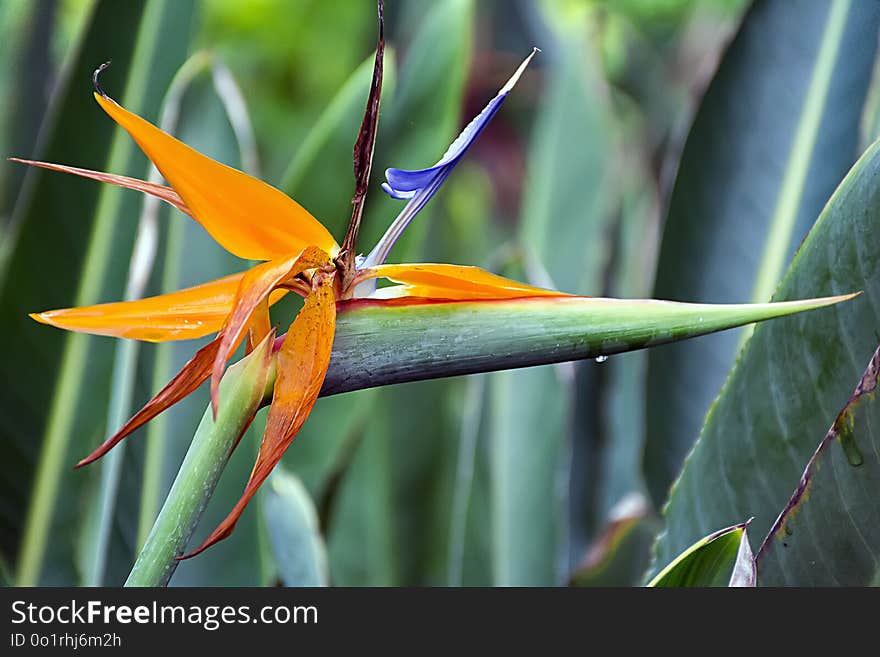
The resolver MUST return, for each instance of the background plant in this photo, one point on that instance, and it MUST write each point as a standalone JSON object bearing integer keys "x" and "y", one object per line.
{"x": 661, "y": 171}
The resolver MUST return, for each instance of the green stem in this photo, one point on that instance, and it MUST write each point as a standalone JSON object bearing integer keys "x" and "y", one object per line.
{"x": 242, "y": 391}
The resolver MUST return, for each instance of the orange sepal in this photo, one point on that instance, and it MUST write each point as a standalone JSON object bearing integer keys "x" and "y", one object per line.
{"x": 302, "y": 365}
{"x": 246, "y": 216}
{"x": 159, "y": 191}
{"x": 456, "y": 282}
{"x": 190, "y": 313}
{"x": 254, "y": 287}
{"x": 191, "y": 376}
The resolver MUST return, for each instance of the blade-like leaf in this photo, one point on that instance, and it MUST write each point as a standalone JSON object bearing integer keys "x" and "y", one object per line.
{"x": 292, "y": 522}
{"x": 24, "y": 245}
{"x": 720, "y": 559}
{"x": 792, "y": 379}
{"x": 777, "y": 130}
{"x": 25, "y": 43}
{"x": 829, "y": 532}
{"x": 361, "y": 523}
{"x": 85, "y": 258}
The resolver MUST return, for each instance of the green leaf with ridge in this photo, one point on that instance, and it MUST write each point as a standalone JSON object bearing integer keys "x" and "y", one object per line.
{"x": 25, "y": 39}
{"x": 791, "y": 380}
{"x": 777, "y": 130}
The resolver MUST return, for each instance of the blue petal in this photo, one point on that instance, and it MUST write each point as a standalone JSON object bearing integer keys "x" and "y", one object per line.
{"x": 419, "y": 185}
{"x": 403, "y": 180}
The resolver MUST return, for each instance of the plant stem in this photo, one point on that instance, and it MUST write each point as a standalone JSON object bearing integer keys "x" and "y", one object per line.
{"x": 244, "y": 388}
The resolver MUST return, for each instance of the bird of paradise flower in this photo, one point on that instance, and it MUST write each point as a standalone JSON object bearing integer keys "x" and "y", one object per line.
{"x": 255, "y": 221}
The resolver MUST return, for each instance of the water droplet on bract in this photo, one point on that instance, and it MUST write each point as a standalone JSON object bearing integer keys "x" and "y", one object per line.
{"x": 601, "y": 359}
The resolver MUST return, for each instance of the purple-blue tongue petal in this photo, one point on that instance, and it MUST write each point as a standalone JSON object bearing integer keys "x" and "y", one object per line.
{"x": 419, "y": 185}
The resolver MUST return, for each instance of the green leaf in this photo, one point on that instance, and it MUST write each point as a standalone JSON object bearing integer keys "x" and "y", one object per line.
{"x": 292, "y": 523}
{"x": 465, "y": 486}
{"x": 792, "y": 379}
{"x": 722, "y": 558}
{"x": 777, "y": 130}
{"x": 378, "y": 343}
{"x": 360, "y": 531}
{"x": 566, "y": 203}
{"x": 829, "y": 532}
{"x": 85, "y": 259}
{"x": 527, "y": 422}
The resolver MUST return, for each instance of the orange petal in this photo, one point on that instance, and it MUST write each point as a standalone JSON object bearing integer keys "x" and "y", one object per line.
{"x": 160, "y": 191}
{"x": 255, "y": 286}
{"x": 193, "y": 374}
{"x": 443, "y": 281}
{"x": 190, "y": 313}
{"x": 246, "y": 216}
{"x": 302, "y": 365}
